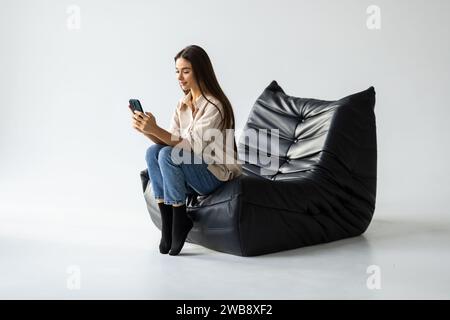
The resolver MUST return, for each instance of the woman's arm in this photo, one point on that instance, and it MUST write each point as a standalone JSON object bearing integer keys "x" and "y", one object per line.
{"x": 148, "y": 135}
{"x": 154, "y": 139}
{"x": 165, "y": 136}
{"x": 146, "y": 124}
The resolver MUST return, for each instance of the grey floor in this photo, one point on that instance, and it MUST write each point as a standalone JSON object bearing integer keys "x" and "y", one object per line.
{"x": 411, "y": 255}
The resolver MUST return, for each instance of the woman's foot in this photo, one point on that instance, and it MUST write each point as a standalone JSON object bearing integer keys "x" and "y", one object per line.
{"x": 166, "y": 227}
{"x": 182, "y": 224}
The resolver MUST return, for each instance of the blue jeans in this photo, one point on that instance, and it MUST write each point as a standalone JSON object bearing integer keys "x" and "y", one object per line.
{"x": 173, "y": 181}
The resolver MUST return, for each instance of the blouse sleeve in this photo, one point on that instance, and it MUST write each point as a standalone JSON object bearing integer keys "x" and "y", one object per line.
{"x": 174, "y": 127}
{"x": 202, "y": 134}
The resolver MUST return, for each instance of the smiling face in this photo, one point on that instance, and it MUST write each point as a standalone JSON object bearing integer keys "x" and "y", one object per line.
{"x": 185, "y": 74}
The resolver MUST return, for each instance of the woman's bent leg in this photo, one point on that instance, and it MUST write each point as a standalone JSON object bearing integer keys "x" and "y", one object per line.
{"x": 174, "y": 183}
{"x": 179, "y": 178}
{"x": 154, "y": 172}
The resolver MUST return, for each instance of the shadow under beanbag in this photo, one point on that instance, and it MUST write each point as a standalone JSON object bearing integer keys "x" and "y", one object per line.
{"x": 319, "y": 184}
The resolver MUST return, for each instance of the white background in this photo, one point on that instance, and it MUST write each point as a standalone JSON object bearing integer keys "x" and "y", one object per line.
{"x": 70, "y": 159}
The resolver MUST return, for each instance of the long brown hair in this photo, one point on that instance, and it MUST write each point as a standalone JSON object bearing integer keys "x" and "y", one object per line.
{"x": 207, "y": 81}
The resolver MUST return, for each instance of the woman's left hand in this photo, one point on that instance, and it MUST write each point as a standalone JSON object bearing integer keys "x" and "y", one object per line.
{"x": 146, "y": 123}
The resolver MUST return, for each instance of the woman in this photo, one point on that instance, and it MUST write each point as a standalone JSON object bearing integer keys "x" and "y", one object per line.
{"x": 194, "y": 154}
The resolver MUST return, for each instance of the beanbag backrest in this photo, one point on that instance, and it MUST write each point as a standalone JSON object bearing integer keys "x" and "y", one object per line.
{"x": 337, "y": 138}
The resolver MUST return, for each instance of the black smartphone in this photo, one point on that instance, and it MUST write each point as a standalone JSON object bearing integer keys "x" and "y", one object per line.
{"x": 136, "y": 105}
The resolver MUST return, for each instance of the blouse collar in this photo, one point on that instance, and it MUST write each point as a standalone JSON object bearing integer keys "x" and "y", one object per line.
{"x": 198, "y": 103}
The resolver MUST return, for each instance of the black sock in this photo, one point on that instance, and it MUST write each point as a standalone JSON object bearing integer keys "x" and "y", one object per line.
{"x": 166, "y": 227}
{"x": 182, "y": 224}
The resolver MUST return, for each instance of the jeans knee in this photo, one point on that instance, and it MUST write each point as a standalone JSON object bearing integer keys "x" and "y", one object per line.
{"x": 152, "y": 152}
{"x": 165, "y": 154}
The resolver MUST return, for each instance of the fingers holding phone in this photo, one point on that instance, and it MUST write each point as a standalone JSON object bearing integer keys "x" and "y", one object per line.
{"x": 150, "y": 115}
{"x": 135, "y": 105}
{"x": 144, "y": 122}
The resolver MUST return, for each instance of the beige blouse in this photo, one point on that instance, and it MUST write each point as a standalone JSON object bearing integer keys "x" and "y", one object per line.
{"x": 202, "y": 135}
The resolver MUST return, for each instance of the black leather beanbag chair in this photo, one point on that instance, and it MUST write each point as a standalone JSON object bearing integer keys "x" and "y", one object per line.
{"x": 322, "y": 187}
